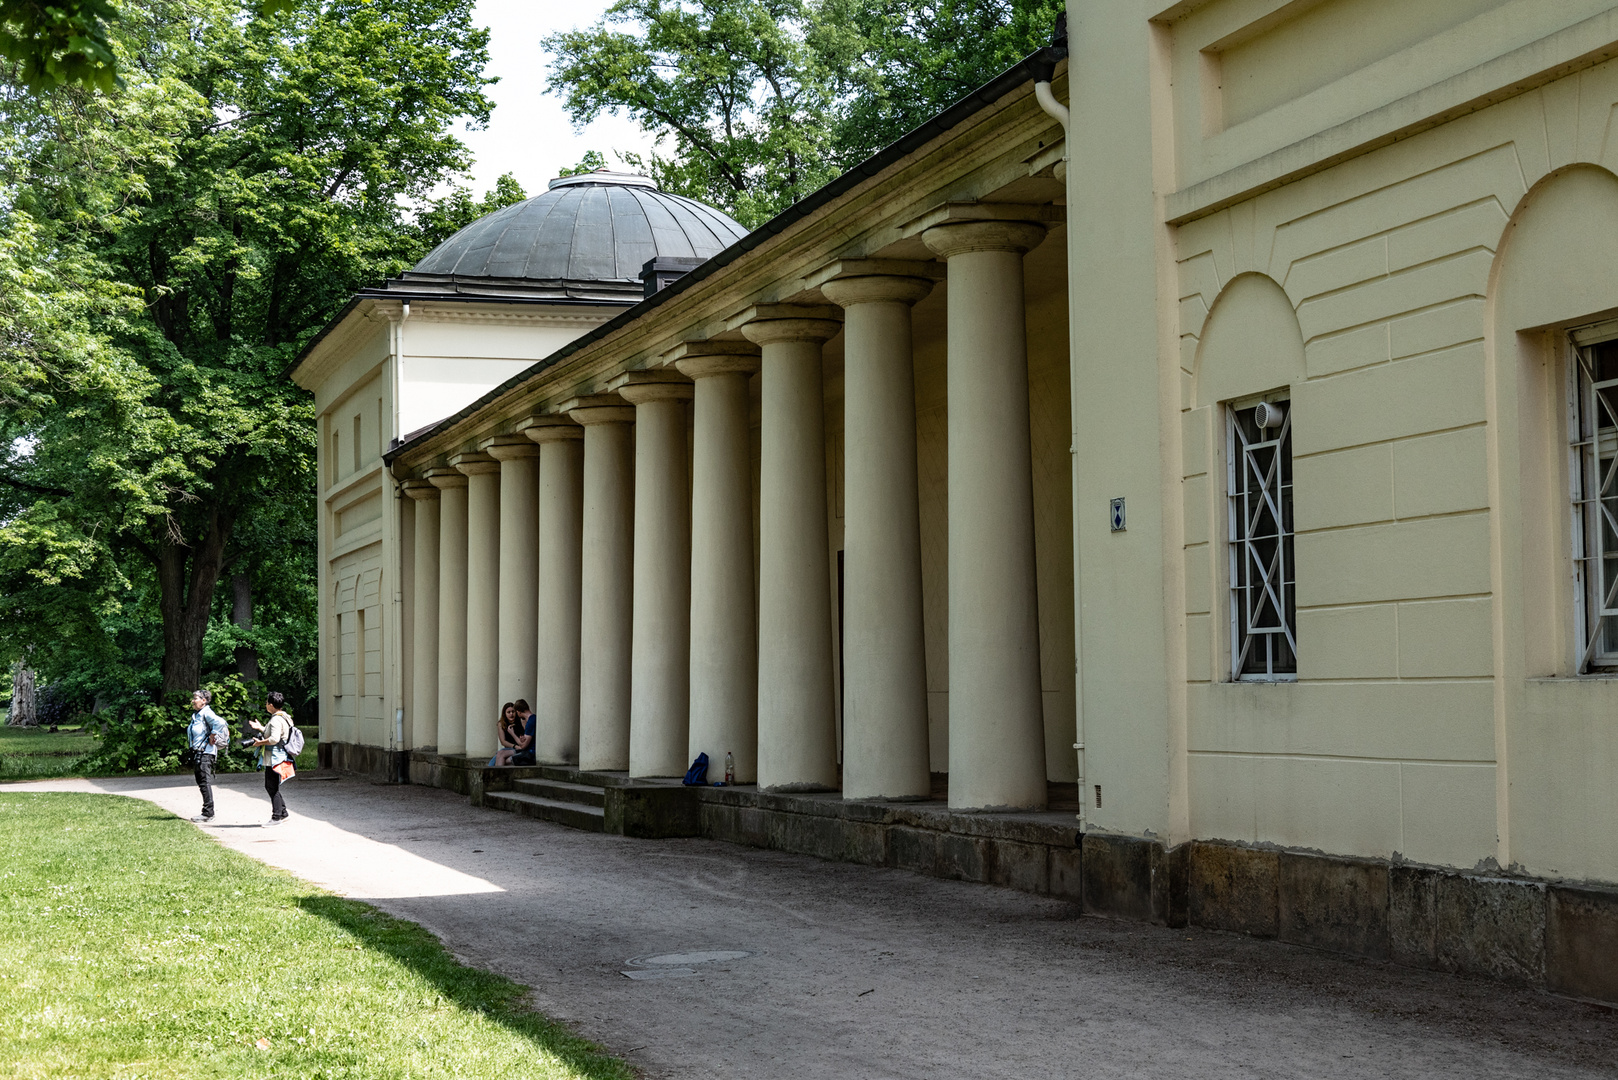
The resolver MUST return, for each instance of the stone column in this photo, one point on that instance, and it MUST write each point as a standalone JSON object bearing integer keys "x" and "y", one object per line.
{"x": 451, "y": 609}
{"x": 482, "y": 600}
{"x": 797, "y": 736}
{"x": 996, "y": 715}
{"x": 607, "y": 580}
{"x": 519, "y": 565}
{"x": 724, "y": 645}
{"x": 561, "y": 502}
{"x": 424, "y": 621}
{"x": 660, "y": 652}
{"x": 885, "y": 751}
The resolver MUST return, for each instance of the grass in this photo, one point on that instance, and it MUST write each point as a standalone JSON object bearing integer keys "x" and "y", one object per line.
{"x": 35, "y": 753}
{"x": 131, "y": 945}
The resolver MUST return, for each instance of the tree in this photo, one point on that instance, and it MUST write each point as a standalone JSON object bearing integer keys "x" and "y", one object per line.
{"x": 451, "y": 213}
{"x": 65, "y": 42}
{"x": 21, "y": 713}
{"x": 59, "y": 42}
{"x": 736, "y": 85}
{"x": 250, "y": 175}
{"x": 762, "y": 101}
{"x": 902, "y": 63}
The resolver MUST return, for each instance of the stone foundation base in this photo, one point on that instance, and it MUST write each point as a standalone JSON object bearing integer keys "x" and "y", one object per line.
{"x": 1036, "y": 852}
{"x": 1536, "y": 933}
{"x": 371, "y": 761}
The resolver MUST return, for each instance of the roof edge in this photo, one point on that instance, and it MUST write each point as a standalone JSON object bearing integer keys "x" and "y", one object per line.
{"x": 1037, "y": 65}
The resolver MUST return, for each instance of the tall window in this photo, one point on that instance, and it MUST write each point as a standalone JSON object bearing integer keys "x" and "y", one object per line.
{"x": 1593, "y": 423}
{"x": 1263, "y": 608}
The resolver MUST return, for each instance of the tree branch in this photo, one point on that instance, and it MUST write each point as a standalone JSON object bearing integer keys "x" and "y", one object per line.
{"x": 37, "y": 489}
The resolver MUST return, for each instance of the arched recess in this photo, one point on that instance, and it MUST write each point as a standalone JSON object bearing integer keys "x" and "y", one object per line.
{"x": 1557, "y": 747}
{"x": 1251, "y": 342}
{"x": 1556, "y": 268}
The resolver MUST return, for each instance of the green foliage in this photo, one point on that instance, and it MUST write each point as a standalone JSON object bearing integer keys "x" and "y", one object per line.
{"x": 451, "y": 213}
{"x": 148, "y": 739}
{"x": 759, "y": 102}
{"x": 59, "y": 42}
{"x": 592, "y": 161}
{"x": 165, "y": 251}
{"x": 132, "y": 944}
{"x": 902, "y": 63}
{"x": 735, "y": 84}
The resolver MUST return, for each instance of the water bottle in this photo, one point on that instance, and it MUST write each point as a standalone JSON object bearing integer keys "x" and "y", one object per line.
{"x": 730, "y": 768}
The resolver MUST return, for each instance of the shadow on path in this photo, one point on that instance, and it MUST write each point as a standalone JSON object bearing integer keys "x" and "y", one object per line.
{"x": 491, "y": 996}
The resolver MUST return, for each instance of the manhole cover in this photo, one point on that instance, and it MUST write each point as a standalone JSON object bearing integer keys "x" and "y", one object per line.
{"x": 678, "y": 965}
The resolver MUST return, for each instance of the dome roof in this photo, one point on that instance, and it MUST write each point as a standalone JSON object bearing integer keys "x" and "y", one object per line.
{"x": 588, "y": 235}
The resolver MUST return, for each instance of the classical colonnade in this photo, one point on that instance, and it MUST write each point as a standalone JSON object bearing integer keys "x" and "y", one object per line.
{"x": 576, "y": 564}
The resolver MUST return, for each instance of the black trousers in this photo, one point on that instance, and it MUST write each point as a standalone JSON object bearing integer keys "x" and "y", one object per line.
{"x": 272, "y": 788}
{"x": 203, "y": 770}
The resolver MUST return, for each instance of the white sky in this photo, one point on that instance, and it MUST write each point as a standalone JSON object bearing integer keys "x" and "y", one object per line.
{"x": 529, "y": 134}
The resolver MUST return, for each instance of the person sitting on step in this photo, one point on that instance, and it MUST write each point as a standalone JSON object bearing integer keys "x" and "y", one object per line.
{"x": 506, "y": 730}
{"x": 522, "y": 750}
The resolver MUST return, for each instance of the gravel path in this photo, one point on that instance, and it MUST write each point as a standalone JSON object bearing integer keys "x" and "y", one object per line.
{"x": 819, "y": 969}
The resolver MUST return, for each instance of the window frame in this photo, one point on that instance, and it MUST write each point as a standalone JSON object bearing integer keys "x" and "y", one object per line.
{"x": 1240, "y": 545}
{"x": 1586, "y": 402}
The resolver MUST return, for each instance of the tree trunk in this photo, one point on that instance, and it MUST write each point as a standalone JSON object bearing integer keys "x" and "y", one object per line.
{"x": 185, "y": 598}
{"x": 23, "y": 711}
{"x": 241, "y": 613}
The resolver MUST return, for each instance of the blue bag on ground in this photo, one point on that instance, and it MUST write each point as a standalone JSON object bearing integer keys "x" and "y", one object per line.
{"x": 697, "y": 774}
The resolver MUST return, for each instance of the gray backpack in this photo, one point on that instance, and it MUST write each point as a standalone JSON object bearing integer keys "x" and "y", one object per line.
{"x": 293, "y": 743}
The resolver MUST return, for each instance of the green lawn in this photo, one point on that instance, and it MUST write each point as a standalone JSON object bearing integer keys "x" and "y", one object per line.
{"x": 132, "y": 945}
{"x": 34, "y": 753}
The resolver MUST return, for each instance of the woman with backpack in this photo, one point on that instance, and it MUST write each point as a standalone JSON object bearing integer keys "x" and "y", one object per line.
{"x": 274, "y": 757}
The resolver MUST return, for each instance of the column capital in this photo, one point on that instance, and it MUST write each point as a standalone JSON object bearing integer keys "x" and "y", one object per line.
{"x": 474, "y": 463}
{"x": 444, "y": 479}
{"x": 599, "y": 409}
{"x": 781, "y": 322}
{"x": 959, "y": 237}
{"x": 765, "y": 324}
{"x": 654, "y": 384}
{"x": 546, "y": 429}
{"x": 700, "y": 359}
{"x": 507, "y": 447}
{"x": 929, "y": 269}
{"x": 875, "y": 289}
{"x": 419, "y": 489}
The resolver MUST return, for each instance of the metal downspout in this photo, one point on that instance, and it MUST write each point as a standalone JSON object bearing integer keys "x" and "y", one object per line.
{"x": 1059, "y": 112}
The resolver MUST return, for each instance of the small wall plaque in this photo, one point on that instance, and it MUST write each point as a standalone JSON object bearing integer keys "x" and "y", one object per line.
{"x": 1117, "y": 515}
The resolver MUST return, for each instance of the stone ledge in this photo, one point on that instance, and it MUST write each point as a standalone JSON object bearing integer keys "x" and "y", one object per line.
{"x": 1559, "y": 937}
{"x": 355, "y": 759}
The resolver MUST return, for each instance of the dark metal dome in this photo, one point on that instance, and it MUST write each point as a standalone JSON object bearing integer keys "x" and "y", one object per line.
{"x": 586, "y": 237}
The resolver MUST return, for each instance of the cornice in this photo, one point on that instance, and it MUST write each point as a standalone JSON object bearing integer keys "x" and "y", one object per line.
{"x": 990, "y": 151}
{"x": 570, "y": 315}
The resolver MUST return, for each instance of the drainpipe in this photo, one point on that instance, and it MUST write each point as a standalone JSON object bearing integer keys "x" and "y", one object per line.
{"x": 401, "y": 768}
{"x": 1059, "y": 112}
{"x": 398, "y": 372}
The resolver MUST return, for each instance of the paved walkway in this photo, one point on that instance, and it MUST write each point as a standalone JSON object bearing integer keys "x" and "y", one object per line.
{"x": 853, "y": 972}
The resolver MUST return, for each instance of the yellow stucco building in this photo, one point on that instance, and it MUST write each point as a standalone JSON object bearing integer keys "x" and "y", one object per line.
{"x": 1206, "y": 433}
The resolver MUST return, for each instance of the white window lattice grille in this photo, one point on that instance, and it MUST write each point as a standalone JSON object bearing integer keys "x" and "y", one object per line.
{"x": 1594, "y": 444}
{"x": 1263, "y": 608}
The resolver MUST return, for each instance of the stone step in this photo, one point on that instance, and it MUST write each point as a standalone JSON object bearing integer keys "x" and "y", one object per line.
{"x": 572, "y": 774}
{"x": 562, "y": 791}
{"x": 588, "y": 818}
